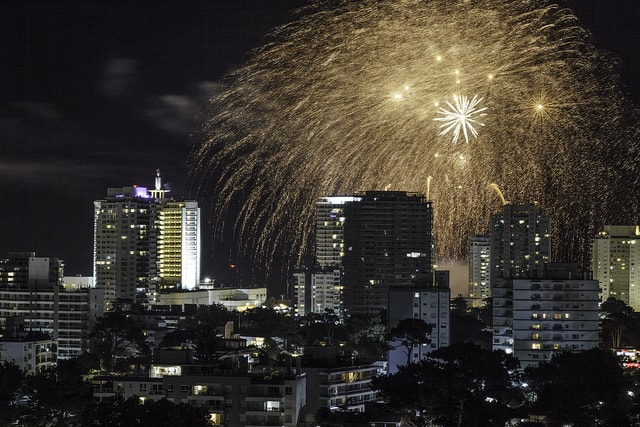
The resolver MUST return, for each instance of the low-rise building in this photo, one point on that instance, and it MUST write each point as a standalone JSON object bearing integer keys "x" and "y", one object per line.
{"x": 33, "y": 353}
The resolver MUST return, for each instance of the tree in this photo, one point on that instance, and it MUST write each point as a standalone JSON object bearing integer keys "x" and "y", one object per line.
{"x": 458, "y": 385}
{"x": 410, "y": 333}
{"x": 619, "y": 323}
{"x": 586, "y": 388}
{"x": 117, "y": 337}
{"x": 368, "y": 336}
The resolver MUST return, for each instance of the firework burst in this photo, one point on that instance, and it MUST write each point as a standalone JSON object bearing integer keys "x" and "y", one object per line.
{"x": 352, "y": 95}
{"x": 459, "y": 117}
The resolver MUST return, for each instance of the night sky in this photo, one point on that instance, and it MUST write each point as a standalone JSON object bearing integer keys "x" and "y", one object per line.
{"x": 100, "y": 94}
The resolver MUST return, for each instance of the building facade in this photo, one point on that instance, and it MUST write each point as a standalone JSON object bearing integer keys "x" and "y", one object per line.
{"x": 232, "y": 399}
{"x": 479, "y": 270}
{"x": 388, "y": 241}
{"x": 430, "y": 303}
{"x": 520, "y": 247}
{"x": 34, "y": 300}
{"x": 555, "y": 313}
{"x": 615, "y": 263}
{"x": 144, "y": 242}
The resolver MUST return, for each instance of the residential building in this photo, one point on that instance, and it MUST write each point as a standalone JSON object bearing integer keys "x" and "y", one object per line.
{"x": 233, "y": 399}
{"x": 388, "y": 240}
{"x": 33, "y": 300}
{"x": 479, "y": 270}
{"x": 555, "y": 313}
{"x": 144, "y": 242}
{"x": 615, "y": 262}
{"x": 231, "y": 298}
{"x": 429, "y": 301}
{"x": 32, "y": 354}
{"x": 520, "y": 247}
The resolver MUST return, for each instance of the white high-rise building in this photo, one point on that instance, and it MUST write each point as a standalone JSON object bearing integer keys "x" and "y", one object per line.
{"x": 479, "y": 269}
{"x": 520, "y": 247}
{"x": 145, "y": 242}
{"x": 556, "y": 313}
{"x": 615, "y": 263}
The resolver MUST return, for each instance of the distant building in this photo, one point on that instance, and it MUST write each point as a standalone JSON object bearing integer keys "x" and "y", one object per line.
{"x": 33, "y": 299}
{"x": 520, "y": 248}
{"x": 429, "y": 301}
{"x": 144, "y": 243}
{"x": 615, "y": 263}
{"x": 231, "y": 298}
{"x": 555, "y": 313}
{"x": 388, "y": 240}
{"x": 319, "y": 288}
{"x": 479, "y": 269}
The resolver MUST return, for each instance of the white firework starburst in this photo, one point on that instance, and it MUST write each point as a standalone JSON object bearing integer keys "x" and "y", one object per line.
{"x": 461, "y": 117}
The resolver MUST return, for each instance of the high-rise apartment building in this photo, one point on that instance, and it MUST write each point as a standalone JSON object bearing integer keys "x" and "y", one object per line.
{"x": 34, "y": 300}
{"x": 388, "y": 241}
{"x": 330, "y": 219}
{"x": 615, "y": 263}
{"x": 520, "y": 247}
{"x": 319, "y": 288}
{"x": 144, "y": 242}
{"x": 479, "y": 269}
{"x": 555, "y": 313}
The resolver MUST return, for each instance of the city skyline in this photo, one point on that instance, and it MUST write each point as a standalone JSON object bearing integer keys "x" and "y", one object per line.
{"x": 100, "y": 96}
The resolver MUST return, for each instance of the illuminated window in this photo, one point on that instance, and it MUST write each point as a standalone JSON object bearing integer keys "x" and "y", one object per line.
{"x": 536, "y": 346}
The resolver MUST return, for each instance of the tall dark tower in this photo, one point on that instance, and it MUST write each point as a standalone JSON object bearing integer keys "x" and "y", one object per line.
{"x": 388, "y": 241}
{"x": 520, "y": 248}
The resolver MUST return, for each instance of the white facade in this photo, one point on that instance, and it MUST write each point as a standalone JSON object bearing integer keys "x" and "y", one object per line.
{"x": 231, "y": 298}
{"x": 30, "y": 356}
{"x": 553, "y": 315}
{"x": 615, "y": 263}
{"x": 67, "y": 317}
{"x": 479, "y": 269}
{"x": 145, "y": 242}
{"x": 429, "y": 304}
{"x": 317, "y": 290}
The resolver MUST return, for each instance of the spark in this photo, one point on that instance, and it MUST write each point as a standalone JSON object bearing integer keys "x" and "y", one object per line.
{"x": 309, "y": 116}
{"x": 459, "y": 117}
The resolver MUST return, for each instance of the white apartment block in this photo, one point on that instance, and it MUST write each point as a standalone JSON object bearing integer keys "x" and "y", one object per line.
{"x": 429, "y": 304}
{"x": 552, "y": 314}
{"x": 615, "y": 263}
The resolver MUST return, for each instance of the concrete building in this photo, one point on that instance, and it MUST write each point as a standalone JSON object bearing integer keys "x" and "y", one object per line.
{"x": 615, "y": 262}
{"x": 32, "y": 354}
{"x": 231, "y": 298}
{"x": 479, "y": 270}
{"x": 555, "y": 313}
{"x": 33, "y": 300}
{"x": 429, "y": 301}
{"x": 319, "y": 288}
{"x": 520, "y": 247}
{"x": 388, "y": 240}
{"x": 144, "y": 242}
{"x": 233, "y": 399}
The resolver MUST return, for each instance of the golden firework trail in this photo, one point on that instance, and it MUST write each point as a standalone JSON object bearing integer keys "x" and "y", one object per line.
{"x": 348, "y": 97}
